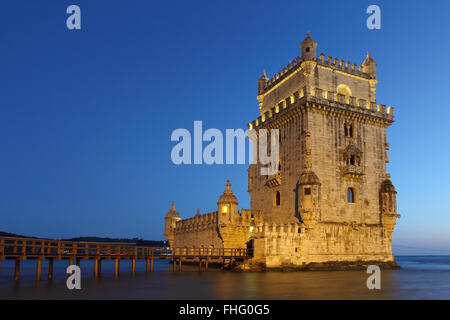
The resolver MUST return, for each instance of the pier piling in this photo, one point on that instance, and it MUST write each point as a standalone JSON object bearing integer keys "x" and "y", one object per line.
{"x": 38, "y": 269}
{"x": 50, "y": 269}
{"x": 116, "y": 268}
{"x": 95, "y": 268}
{"x": 17, "y": 270}
{"x": 133, "y": 266}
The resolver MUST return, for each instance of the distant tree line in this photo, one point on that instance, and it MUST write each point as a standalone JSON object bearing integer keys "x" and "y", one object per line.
{"x": 137, "y": 241}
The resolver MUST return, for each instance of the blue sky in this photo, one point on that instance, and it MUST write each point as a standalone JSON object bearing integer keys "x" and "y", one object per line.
{"x": 86, "y": 116}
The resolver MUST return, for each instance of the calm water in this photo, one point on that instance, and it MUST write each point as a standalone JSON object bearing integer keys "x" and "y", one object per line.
{"x": 422, "y": 277}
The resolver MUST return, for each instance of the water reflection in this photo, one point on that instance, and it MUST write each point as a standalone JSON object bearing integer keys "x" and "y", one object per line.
{"x": 420, "y": 278}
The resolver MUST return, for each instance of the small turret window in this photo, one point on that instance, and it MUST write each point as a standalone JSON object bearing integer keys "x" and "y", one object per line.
{"x": 307, "y": 50}
{"x": 350, "y": 195}
{"x": 307, "y": 191}
{"x": 225, "y": 209}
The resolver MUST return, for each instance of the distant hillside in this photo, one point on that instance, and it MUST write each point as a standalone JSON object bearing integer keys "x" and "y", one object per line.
{"x": 7, "y": 234}
{"x": 137, "y": 241}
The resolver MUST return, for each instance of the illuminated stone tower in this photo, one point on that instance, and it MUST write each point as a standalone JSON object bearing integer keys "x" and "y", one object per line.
{"x": 331, "y": 201}
{"x": 332, "y": 182}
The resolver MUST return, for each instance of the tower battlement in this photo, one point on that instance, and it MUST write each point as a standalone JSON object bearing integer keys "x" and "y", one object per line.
{"x": 312, "y": 97}
{"x": 331, "y": 76}
{"x": 295, "y": 66}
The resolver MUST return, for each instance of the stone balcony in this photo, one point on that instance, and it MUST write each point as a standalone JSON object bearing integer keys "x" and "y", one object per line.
{"x": 353, "y": 171}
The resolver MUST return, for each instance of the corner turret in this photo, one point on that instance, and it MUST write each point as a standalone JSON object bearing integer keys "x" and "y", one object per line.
{"x": 369, "y": 66}
{"x": 309, "y": 63}
{"x": 308, "y": 47}
{"x": 227, "y": 205}
{"x": 308, "y": 190}
{"x": 388, "y": 199}
{"x": 171, "y": 219}
{"x": 262, "y": 82}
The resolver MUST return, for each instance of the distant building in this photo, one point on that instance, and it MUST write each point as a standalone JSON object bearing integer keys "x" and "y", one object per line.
{"x": 331, "y": 200}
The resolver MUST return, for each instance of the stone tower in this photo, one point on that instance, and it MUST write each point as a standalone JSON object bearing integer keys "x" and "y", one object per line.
{"x": 331, "y": 200}
{"x": 332, "y": 182}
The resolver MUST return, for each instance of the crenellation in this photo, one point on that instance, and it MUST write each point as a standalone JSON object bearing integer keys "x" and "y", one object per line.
{"x": 331, "y": 95}
{"x": 318, "y": 94}
{"x": 373, "y": 107}
{"x": 362, "y": 103}
{"x": 382, "y": 108}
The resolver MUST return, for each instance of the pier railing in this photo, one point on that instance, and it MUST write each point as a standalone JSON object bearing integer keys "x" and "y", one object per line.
{"x": 45, "y": 249}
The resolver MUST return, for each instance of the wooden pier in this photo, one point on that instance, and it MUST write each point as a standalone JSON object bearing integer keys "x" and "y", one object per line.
{"x": 20, "y": 249}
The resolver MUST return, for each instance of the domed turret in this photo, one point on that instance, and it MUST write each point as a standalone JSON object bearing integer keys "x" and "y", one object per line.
{"x": 172, "y": 213}
{"x": 262, "y": 82}
{"x": 369, "y": 66}
{"x": 227, "y": 205}
{"x": 171, "y": 219}
{"x": 388, "y": 202}
{"x": 308, "y": 178}
{"x": 309, "y": 47}
{"x": 308, "y": 188}
{"x": 388, "y": 187}
{"x": 228, "y": 196}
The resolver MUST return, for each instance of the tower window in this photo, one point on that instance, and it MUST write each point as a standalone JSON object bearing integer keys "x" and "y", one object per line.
{"x": 348, "y": 130}
{"x": 307, "y": 191}
{"x": 277, "y": 198}
{"x": 350, "y": 195}
{"x": 307, "y": 49}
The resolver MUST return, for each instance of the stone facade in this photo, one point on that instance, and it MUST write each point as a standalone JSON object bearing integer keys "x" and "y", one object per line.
{"x": 331, "y": 200}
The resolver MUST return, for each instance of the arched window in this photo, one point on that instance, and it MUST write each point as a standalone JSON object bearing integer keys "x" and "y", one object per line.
{"x": 344, "y": 90}
{"x": 277, "y": 198}
{"x": 350, "y": 195}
